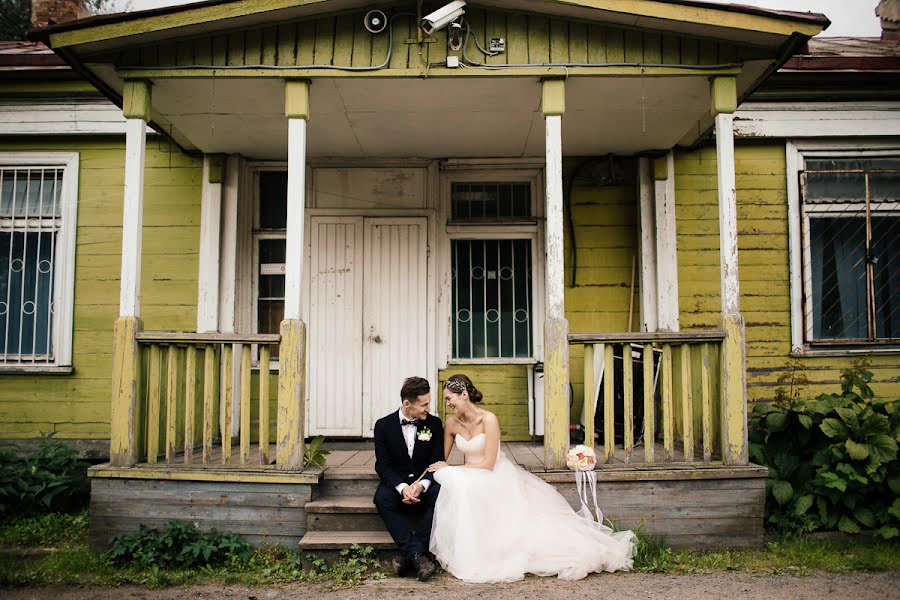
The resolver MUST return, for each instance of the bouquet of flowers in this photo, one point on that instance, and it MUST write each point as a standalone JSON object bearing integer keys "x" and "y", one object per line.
{"x": 581, "y": 458}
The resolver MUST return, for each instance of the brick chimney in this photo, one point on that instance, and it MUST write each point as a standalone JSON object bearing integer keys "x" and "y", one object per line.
{"x": 54, "y": 12}
{"x": 889, "y": 12}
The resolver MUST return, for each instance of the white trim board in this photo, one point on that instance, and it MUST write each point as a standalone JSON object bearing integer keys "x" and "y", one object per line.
{"x": 817, "y": 119}
{"x": 64, "y": 276}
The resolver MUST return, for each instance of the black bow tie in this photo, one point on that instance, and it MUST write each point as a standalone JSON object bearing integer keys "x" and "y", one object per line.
{"x": 405, "y": 422}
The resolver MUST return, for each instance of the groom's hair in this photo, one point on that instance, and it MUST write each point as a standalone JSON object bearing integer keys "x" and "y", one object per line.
{"x": 413, "y": 387}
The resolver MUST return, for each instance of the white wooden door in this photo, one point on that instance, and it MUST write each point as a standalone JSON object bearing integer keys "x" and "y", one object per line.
{"x": 335, "y": 326}
{"x": 395, "y": 336}
{"x": 367, "y": 319}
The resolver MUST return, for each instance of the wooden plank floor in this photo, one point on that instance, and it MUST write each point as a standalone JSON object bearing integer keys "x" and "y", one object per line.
{"x": 361, "y": 456}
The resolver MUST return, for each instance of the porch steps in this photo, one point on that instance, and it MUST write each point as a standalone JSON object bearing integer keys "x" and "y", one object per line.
{"x": 344, "y": 513}
{"x": 338, "y": 540}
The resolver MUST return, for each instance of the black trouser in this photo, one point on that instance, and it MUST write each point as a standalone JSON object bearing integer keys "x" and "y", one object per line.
{"x": 394, "y": 512}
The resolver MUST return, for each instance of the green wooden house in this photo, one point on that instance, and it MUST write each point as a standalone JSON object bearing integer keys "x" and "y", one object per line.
{"x": 231, "y": 225}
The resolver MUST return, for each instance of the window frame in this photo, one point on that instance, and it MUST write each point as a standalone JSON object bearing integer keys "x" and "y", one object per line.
{"x": 64, "y": 260}
{"x": 796, "y": 153}
{"x": 529, "y": 229}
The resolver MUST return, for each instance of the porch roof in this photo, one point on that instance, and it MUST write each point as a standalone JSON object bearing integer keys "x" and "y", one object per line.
{"x": 651, "y": 93}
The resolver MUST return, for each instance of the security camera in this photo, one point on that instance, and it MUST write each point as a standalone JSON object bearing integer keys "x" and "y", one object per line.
{"x": 443, "y": 16}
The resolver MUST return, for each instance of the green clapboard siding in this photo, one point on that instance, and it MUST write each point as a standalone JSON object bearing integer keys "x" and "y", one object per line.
{"x": 763, "y": 268}
{"x": 505, "y": 389}
{"x": 606, "y": 231}
{"x": 341, "y": 40}
{"x": 77, "y": 406}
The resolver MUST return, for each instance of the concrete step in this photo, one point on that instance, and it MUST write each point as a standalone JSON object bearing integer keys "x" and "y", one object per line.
{"x": 343, "y": 513}
{"x": 338, "y": 540}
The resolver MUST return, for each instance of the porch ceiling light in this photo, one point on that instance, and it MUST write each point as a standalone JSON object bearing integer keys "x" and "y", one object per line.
{"x": 443, "y": 16}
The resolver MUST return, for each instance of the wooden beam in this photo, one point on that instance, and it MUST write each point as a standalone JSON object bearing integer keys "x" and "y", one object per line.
{"x": 556, "y": 327}
{"x": 723, "y": 95}
{"x": 208, "y": 264}
{"x": 649, "y": 309}
{"x": 291, "y": 395}
{"x": 132, "y": 217}
{"x": 125, "y": 416}
{"x": 136, "y": 99}
{"x": 666, "y": 250}
{"x": 297, "y": 111}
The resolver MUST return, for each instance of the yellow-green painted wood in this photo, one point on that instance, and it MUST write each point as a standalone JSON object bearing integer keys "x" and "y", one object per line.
{"x": 136, "y": 99}
{"x": 291, "y": 395}
{"x": 687, "y": 403}
{"x": 505, "y": 390}
{"x": 590, "y": 394}
{"x": 649, "y": 404}
{"x": 190, "y": 402}
{"x": 341, "y": 40}
{"x": 227, "y": 368}
{"x": 628, "y": 401}
{"x": 245, "y": 404}
{"x": 126, "y": 406}
{"x": 668, "y": 420}
{"x": 264, "y": 401}
{"x": 210, "y": 397}
{"x": 153, "y": 400}
{"x": 609, "y": 414}
{"x": 171, "y": 400}
{"x": 706, "y": 403}
{"x": 723, "y": 95}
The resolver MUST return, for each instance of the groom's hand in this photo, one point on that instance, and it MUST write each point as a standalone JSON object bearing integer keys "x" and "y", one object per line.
{"x": 411, "y": 493}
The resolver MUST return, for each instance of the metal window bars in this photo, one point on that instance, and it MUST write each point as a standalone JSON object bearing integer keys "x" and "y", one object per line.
{"x": 30, "y": 222}
{"x": 850, "y": 220}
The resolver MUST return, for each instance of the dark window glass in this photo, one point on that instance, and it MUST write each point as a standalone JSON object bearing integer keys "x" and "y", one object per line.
{"x": 490, "y": 201}
{"x": 272, "y": 200}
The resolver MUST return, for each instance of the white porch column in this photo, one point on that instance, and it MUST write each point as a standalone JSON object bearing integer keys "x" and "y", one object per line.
{"x": 125, "y": 410}
{"x": 649, "y": 310}
{"x": 210, "y": 234}
{"x": 136, "y": 108}
{"x": 734, "y": 383}
{"x": 556, "y": 328}
{"x": 292, "y": 351}
{"x": 666, "y": 246}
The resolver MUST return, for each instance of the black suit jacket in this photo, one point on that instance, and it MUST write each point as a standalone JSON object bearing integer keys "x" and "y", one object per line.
{"x": 392, "y": 462}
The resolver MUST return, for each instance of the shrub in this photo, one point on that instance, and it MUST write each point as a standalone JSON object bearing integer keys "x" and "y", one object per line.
{"x": 832, "y": 460}
{"x": 179, "y": 545}
{"x": 52, "y": 479}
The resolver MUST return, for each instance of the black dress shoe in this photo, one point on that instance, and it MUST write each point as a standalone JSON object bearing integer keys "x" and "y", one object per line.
{"x": 401, "y": 565}
{"x": 424, "y": 567}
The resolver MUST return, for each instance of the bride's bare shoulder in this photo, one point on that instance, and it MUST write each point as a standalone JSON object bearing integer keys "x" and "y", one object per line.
{"x": 489, "y": 418}
{"x": 451, "y": 422}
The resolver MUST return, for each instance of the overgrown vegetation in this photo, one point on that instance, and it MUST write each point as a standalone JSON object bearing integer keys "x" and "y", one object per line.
{"x": 50, "y": 480}
{"x": 178, "y": 546}
{"x": 314, "y": 455}
{"x": 832, "y": 460}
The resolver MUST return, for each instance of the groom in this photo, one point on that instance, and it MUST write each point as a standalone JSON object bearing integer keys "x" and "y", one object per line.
{"x": 406, "y": 442}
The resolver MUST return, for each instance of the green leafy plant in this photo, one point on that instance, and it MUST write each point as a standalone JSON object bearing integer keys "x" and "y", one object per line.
{"x": 51, "y": 530}
{"x": 179, "y": 545}
{"x": 314, "y": 455}
{"x": 833, "y": 460}
{"x": 51, "y": 479}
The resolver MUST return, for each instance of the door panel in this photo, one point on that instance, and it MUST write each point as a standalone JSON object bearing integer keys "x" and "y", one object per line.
{"x": 335, "y": 332}
{"x": 395, "y": 312}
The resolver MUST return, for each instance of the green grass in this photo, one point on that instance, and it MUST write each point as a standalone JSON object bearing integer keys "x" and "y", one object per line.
{"x": 794, "y": 555}
{"x": 54, "y": 530}
{"x": 73, "y": 563}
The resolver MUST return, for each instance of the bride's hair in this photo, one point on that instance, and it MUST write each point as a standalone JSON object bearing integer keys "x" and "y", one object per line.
{"x": 458, "y": 383}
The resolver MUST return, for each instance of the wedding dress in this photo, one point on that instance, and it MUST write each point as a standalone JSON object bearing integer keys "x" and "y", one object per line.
{"x": 493, "y": 526}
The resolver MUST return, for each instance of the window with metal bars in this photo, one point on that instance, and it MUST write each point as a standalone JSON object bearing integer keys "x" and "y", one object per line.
{"x": 492, "y": 278}
{"x": 851, "y": 249}
{"x": 30, "y": 226}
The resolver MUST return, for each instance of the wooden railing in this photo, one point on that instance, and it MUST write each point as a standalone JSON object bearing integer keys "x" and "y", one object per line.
{"x": 679, "y": 394}
{"x": 187, "y": 383}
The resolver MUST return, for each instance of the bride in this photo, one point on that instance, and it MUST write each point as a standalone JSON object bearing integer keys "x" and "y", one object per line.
{"x": 494, "y": 522}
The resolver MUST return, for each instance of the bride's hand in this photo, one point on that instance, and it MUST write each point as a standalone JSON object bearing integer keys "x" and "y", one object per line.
{"x": 436, "y": 466}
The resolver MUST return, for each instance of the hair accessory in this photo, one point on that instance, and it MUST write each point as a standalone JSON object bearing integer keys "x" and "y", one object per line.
{"x": 455, "y": 385}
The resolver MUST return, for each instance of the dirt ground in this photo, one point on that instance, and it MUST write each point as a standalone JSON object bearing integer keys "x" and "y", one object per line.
{"x": 729, "y": 586}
